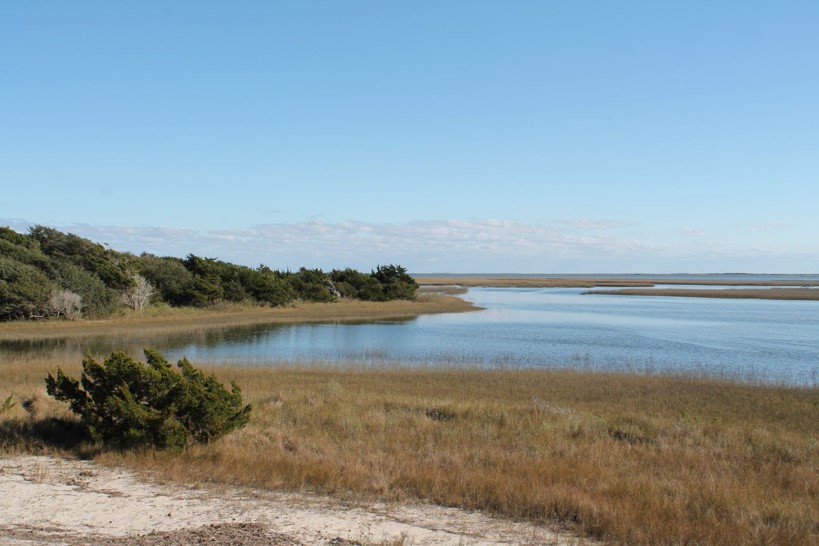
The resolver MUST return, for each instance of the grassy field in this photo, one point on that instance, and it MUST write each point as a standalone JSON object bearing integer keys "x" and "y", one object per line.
{"x": 631, "y": 459}
{"x": 731, "y": 293}
{"x": 569, "y": 282}
{"x": 168, "y": 320}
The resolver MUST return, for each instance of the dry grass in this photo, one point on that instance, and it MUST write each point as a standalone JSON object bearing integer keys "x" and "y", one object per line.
{"x": 569, "y": 282}
{"x": 731, "y": 293}
{"x": 631, "y": 459}
{"x": 452, "y": 289}
{"x": 528, "y": 282}
{"x": 167, "y": 320}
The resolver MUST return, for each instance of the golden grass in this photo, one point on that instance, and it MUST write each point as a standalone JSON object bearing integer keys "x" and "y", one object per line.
{"x": 451, "y": 289}
{"x": 167, "y": 320}
{"x": 631, "y": 459}
{"x": 570, "y": 282}
{"x": 731, "y": 293}
{"x": 528, "y": 282}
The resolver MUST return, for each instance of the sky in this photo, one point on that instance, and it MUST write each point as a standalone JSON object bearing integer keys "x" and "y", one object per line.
{"x": 444, "y": 136}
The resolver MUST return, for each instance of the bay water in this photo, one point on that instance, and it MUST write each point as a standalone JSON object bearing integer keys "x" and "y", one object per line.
{"x": 759, "y": 340}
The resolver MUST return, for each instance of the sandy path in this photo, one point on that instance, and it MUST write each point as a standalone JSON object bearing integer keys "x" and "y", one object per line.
{"x": 45, "y": 500}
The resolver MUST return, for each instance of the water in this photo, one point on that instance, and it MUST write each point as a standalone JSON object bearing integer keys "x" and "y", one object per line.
{"x": 764, "y": 340}
{"x": 558, "y": 327}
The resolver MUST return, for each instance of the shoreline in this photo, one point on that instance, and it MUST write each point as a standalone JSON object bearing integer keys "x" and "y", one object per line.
{"x": 803, "y": 290}
{"x": 169, "y": 320}
{"x": 790, "y": 294}
{"x": 501, "y": 281}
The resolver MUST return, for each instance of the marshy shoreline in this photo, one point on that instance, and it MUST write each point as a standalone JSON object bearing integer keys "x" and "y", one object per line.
{"x": 803, "y": 294}
{"x": 624, "y": 458}
{"x": 165, "y": 320}
{"x": 806, "y": 289}
{"x": 611, "y": 456}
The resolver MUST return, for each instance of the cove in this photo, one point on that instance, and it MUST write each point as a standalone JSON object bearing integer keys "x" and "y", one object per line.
{"x": 769, "y": 341}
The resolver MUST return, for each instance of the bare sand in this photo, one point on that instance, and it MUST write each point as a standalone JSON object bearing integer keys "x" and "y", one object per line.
{"x": 48, "y": 500}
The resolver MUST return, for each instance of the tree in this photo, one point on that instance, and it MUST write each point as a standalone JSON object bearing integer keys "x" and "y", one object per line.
{"x": 396, "y": 283}
{"x": 139, "y": 294}
{"x": 65, "y": 303}
{"x": 98, "y": 299}
{"x": 169, "y": 275}
{"x": 312, "y": 285}
{"x": 266, "y": 286}
{"x": 125, "y": 403}
{"x": 24, "y": 290}
{"x": 107, "y": 265}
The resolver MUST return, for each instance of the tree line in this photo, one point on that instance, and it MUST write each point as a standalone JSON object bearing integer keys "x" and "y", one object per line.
{"x": 46, "y": 273}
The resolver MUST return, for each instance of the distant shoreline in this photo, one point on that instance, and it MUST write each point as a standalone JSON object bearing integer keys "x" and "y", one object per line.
{"x": 792, "y": 289}
{"x": 805, "y": 294}
{"x": 636, "y": 281}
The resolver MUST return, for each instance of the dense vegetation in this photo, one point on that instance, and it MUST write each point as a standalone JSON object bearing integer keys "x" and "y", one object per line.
{"x": 49, "y": 274}
{"x": 125, "y": 403}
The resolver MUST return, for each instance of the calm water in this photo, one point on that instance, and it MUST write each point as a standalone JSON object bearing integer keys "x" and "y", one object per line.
{"x": 771, "y": 340}
{"x": 556, "y": 327}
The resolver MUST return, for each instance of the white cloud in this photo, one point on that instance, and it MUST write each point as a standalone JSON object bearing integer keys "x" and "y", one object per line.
{"x": 773, "y": 225}
{"x": 492, "y": 245}
{"x": 597, "y": 225}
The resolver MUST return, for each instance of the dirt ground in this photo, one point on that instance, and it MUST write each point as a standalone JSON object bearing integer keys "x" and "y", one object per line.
{"x": 51, "y": 501}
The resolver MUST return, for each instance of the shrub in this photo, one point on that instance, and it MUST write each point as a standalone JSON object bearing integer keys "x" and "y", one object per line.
{"x": 125, "y": 403}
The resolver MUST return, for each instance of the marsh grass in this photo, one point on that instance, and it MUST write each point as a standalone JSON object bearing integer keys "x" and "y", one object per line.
{"x": 164, "y": 320}
{"x": 453, "y": 289}
{"x": 576, "y": 282}
{"x": 731, "y": 293}
{"x": 629, "y": 458}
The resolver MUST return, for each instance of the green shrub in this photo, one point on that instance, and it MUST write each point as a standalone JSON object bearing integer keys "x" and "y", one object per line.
{"x": 125, "y": 403}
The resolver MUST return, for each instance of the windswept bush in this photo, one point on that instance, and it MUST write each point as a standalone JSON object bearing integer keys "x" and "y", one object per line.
{"x": 125, "y": 403}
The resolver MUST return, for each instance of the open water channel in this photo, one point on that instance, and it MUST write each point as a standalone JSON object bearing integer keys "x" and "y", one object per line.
{"x": 764, "y": 340}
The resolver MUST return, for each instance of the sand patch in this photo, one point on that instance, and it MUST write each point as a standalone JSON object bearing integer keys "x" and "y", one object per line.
{"x": 47, "y": 500}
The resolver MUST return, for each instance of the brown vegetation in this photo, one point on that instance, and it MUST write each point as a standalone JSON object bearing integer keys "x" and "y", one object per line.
{"x": 167, "y": 320}
{"x": 730, "y": 293}
{"x": 631, "y": 459}
{"x": 452, "y": 289}
{"x": 570, "y": 282}
{"x": 527, "y": 282}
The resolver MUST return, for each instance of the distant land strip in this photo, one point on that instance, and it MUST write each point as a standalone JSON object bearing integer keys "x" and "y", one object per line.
{"x": 730, "y": 293}
{"x": 169, "y": 320}
{"x": 572, "y": 282}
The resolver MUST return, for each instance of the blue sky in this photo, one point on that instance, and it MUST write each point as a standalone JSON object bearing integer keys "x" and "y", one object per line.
{"x": 460, "y": 136}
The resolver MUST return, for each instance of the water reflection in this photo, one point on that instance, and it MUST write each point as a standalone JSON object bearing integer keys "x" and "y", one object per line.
{"x": 771, "y": 340}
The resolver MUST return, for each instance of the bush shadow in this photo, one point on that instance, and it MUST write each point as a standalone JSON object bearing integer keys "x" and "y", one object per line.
{"x": 48, "y": 433}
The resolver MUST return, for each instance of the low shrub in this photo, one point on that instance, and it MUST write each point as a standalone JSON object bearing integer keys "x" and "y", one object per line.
{"x": 125, "y": 403}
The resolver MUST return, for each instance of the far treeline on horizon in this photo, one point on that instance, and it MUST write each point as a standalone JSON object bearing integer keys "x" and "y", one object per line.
{"x": 50, "y": 274}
